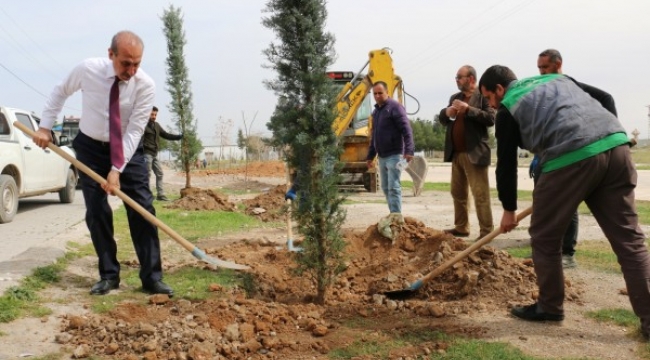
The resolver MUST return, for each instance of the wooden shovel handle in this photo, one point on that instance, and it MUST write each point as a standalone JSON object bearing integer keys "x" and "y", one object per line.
{"x": 479, "y": 243}
{"x": 88, "y": 171}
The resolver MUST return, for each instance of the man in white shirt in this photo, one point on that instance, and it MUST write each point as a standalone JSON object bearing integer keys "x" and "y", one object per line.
{"x": 96, "y": 77}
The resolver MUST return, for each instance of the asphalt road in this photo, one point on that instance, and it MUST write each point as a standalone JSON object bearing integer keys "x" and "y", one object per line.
{"x": 38, "y": 234}
{"x": 39, "y": 219}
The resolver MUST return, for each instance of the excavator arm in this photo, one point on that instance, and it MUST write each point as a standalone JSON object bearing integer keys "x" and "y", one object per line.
{"x": 352, "y": 95}
{"x": 356, "y": 137}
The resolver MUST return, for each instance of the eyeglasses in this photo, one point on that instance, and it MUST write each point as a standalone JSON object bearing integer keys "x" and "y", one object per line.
{"x": 458, "y": 77}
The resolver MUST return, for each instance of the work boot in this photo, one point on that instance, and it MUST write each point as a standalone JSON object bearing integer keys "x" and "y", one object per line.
{"x": 104, "y": 286}
{"x": 534, "y": 313}
{"x": 162, "y": 198}
{"x": 569, "y": 262}
{"x": 456, "y": 232}
{"x": 158, "y": 287}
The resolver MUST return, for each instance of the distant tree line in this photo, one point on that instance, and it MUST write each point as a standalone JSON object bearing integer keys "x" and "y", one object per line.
{"x": 428, "y": 135}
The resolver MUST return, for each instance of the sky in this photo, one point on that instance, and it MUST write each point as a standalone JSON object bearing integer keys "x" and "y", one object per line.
{"x": 604, "y": 43}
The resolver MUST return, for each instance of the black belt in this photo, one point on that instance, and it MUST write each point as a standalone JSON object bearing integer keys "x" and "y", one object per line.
{"x": 95, "y": 142}
{"x": 104, "y": 143}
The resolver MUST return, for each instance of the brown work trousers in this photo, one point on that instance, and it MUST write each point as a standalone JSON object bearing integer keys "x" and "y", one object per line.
{"x": 606, "y": 183}
{"x": 465, "y": 176}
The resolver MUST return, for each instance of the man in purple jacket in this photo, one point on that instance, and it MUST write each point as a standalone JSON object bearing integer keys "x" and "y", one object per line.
{"x": 391, "y": 140}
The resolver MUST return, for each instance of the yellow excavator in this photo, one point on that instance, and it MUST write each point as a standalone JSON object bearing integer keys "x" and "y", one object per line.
{"x": 354, "y": 121}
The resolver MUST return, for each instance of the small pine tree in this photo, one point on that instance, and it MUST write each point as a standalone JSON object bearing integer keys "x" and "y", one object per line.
{"x": 302, "y": 122}
{"x": 241, "y": 140}
{"x": 179, "y": 88}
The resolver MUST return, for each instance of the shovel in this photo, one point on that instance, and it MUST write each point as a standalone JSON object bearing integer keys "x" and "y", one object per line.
{"x": 411, "y": 290}
{"x": 418, "y": 169}
{"x": 290, "y": 246}
{"x": 198, "y": 253}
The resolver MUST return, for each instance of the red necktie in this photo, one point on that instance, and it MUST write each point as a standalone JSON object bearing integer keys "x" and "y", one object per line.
{"x": 115, "y": 126}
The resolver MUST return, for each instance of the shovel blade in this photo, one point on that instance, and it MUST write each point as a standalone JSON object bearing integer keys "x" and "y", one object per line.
{"x": 418, "y": 169}
{"x": 405, "y": 293}
{"x": 289, "y": 247}
{"x": 400, "y": 294}
{"x": 225, "y": 264}
{"x": 200, "y": 254}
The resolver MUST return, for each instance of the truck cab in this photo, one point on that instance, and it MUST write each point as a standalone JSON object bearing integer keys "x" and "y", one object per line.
{"x": 26, "y": 169}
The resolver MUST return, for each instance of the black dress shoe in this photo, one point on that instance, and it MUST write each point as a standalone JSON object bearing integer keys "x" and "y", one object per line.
{"x": 534, "y": 313}
{"x": 162, "y": 198}
{"x": 456, "y": 233}
{"x": 104, "y": 286}
{"x": 158, "y": 287}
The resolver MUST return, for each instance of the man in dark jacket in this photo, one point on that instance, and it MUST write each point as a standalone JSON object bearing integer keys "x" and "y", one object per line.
{"x": 151, "y": 141}
{"x": 391, "y": 141}
{"x": 549, "y": 61}
{"x": 467, "y": 119}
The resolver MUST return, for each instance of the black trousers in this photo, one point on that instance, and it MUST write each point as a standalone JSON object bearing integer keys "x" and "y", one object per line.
{"x": 134, "y": 182}
{"x": 570, "y": 238}
{"x": 606, "y": 183}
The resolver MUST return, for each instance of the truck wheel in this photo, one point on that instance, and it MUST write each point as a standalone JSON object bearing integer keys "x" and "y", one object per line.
{"x": 9, "y": 199}
{"x": 370, "y": 182}
{"x": 66, "y": 195}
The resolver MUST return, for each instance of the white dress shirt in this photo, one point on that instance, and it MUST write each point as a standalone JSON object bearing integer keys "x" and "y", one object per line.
{"x": 95, "y": 77}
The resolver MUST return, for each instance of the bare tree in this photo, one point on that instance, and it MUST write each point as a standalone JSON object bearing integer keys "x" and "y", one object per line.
{"x": 247, "y": 128}
{"x": 223, "y": 129}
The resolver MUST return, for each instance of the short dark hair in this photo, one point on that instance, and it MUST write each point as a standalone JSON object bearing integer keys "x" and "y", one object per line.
{"x": 382, "y": 83}
{"x": 496, "y": 75}
{"x": 552, "y": 54}
{"x": 154, "y": 109}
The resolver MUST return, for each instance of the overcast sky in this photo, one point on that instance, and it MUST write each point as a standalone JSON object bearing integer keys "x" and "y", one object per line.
{"x": 603, "y": 43}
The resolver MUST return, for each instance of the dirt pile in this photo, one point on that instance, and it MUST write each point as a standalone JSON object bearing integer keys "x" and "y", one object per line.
{"x": 254, "y": 169}
{"x": 201, "y": 199}
{"x": 232, "y": 328}
{"x": 487, "y": 278}
{"x": 269, "y": 206}
{"x": 274, "y": 319}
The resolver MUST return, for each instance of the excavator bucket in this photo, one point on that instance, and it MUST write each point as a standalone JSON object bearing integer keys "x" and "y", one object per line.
{"x": 417, "y": 169}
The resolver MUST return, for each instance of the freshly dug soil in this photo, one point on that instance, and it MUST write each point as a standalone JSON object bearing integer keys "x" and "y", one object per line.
{"x": 276, "y": 319}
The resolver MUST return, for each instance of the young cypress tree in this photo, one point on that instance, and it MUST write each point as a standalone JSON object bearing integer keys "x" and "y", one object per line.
{"x": 179, "y": 88}
{"x": 302, "y": 122}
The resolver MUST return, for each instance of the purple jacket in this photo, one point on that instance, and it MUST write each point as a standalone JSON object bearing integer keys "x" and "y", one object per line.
{"x": 391, "y": 131}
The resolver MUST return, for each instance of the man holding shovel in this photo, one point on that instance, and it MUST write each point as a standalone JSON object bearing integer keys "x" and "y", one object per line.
{"x": 584, "y": 155}
{"x": 117, "y": 98}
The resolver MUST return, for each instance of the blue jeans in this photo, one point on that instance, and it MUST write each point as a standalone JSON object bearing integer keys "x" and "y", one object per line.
{"x": 390, "y": 184}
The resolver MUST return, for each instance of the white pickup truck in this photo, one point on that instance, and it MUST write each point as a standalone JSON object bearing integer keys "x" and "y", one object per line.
{"x": 27, "y": 170}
